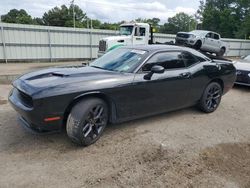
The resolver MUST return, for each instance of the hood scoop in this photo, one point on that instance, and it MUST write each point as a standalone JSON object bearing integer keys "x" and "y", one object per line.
{"x": 48, "y": 75}
{"x": 59, "y": 74}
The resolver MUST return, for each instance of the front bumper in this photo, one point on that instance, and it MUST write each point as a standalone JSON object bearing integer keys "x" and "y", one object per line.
{"x": 243, "y": 78}
{"x": 33, "y": 129}
{"x": 32, "y": 118}
{"x": 184, "y": 41}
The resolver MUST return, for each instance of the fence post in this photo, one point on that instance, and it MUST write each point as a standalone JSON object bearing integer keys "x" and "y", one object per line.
{"x": 4, "y": 46}
{"x": 240, "y": 48}
{"x": 50, "y": 50}
{"x": 90, "y": 40}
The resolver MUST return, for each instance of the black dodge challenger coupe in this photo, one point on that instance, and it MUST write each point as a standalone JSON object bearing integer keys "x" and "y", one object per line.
{"x": 124, "y": 84}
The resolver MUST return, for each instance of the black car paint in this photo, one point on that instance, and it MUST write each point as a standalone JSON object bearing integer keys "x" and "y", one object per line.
{"x": 129, "y": 96}
{"x": 243, "y": 72}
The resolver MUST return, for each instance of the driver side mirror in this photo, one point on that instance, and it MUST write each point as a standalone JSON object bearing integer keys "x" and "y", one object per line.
{"x": 155, "y": 69}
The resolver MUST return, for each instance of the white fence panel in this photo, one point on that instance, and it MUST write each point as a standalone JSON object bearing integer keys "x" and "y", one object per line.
{"x": 20, "y": 42}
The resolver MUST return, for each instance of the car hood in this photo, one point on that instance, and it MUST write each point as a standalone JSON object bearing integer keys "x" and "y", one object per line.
{"x": 65, "y": 79}
{"x": 241, "y": 65}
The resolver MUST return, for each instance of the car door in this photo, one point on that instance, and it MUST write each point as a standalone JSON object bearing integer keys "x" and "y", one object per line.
{"x": 216, "y": 42}
{"x": 208, "y": 42}
{"x": 140, "y": 36}
{"x": 163, "y": 92}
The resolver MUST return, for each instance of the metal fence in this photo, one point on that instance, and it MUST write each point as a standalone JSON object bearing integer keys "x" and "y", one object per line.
{"x": 20, "y": 42}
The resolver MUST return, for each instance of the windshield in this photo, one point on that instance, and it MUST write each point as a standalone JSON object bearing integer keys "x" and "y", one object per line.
{"x": 126, "y": 30}
{"x": 247, "y": 58}
{"x": 121, "y": 60}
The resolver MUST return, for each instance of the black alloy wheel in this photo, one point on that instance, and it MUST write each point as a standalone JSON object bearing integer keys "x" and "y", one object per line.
{"x": 87, "y": 121}
{"x": 94, "y": 123}
{"x": 211, "y": 97}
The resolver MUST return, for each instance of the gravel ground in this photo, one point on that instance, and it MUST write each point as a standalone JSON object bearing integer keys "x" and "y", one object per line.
{"x": 185, "y": 148}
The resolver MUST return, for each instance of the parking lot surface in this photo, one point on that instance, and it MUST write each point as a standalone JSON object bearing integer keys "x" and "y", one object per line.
{"x": 186, "y": 148}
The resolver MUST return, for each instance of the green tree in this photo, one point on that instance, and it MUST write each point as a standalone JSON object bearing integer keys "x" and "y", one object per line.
{"x": 199, "y": 13}
{"x": 17, "y": 16}
{"x": 180, "y": 22}
{"x": 110, "y": 26}
{"x": 63, "y": 16}
{"x": 154, "y": 22}
{"x": 244, "y": 32}
{"x": 227, "y": 17}
{"x": 38, "y": 21}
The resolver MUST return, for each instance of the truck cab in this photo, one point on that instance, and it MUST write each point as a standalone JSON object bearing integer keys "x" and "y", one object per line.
{"x": 129, "y": 34}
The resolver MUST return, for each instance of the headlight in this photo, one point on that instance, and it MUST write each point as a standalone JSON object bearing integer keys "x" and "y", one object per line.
{"x": 248, "y": 74}
{"x": 192, "y": 36}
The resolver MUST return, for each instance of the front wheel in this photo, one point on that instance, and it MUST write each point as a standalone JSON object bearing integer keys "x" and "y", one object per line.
{"x": 211, "y": 97}
{"x": 87, "y": 120}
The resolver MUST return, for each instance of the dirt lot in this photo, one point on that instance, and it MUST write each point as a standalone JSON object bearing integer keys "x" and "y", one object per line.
{"x": 180, "y": 149}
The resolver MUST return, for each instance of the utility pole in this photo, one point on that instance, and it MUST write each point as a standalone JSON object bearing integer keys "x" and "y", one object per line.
{"x": 73, "y": 7}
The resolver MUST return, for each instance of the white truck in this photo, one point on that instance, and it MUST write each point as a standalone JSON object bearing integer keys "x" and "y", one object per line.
{"x": 206, "y": 41}
{"x": 130, "y": 34}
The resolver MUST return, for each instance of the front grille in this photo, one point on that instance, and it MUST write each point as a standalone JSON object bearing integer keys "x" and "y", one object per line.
{"x": 180, "y": 41}
{"x": 183, "y": 35}
{"x": 102, "y": 46}
{"x": 242, "y": 76}
{"x": 25, "y": 99}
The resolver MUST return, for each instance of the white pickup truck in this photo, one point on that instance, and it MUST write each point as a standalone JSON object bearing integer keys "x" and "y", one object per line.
{"x": 206, "y": 41}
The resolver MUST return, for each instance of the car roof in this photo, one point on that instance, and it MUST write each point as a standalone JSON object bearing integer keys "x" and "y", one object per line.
{"x": 164, "y": 47}
{"x": 203, "y": 32}
{"x": 155, "y": 47}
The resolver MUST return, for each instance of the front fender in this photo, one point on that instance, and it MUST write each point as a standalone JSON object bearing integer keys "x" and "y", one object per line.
{"x": 99, "y": 94}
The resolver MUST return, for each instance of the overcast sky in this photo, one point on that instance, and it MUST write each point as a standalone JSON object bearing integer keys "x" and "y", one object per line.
{"x": 108, "y": 10}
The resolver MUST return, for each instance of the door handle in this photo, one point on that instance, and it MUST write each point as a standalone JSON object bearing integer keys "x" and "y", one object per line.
{"x": 185, "y": 75}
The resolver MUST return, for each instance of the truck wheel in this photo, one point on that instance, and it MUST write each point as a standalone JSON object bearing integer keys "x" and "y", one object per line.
{"x": 197, "y": 45}
{"x": 221, "y": 52}
{"x": 87, "y": 120}
{"x": 211, "y": 97}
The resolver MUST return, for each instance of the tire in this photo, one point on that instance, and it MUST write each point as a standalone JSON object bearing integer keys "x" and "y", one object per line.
{"x": 222, "y": 52}
{"x": 211, "y": 97}
{"x": 197, "y": 45}
{"x": 86, "y": 121}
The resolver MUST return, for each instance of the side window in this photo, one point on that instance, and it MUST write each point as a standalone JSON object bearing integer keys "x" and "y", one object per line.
{"x": 189, "y": 59}
{"x": 136, "y": 31}
{"x": 169, "y": 60}
{"x": 199, "y": 56}
{"x": 216, "y": 36}
{"x": 142, "y": 31}
{"x": 209, "y": 35}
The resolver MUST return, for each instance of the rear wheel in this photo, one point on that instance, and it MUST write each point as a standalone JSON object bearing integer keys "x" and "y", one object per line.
{"x": 87, "y": 120}
{"x": 211, "y": 97}
{"x": 221, "y": 52}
